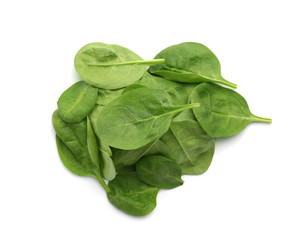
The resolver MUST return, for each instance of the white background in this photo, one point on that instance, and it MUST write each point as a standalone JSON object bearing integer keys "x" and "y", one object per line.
{"x": 251, "y": 190}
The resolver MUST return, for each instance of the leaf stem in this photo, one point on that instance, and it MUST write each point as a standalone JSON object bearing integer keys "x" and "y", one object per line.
{"x": 102, "y": 182}
{"x": 227, "y": 83}
{"x": 150, "y": 62}
{"x": 260, "y": 119}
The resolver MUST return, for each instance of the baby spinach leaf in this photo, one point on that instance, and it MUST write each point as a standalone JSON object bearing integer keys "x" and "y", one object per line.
{"x": 223, "y": 112}
{"x": 191, "y": 63}
{"x": 130, "y": 195}
{"x": 110, "y": 66}
{"x": 77, "y": 102}
{"x": 159, "y": 171}
{"x": 123, "y": 158}
{"x": 107, "y": 166}
{"x": 92, "y": 144}
{"x": 137, "y": 118}
{"x": 73, "y": 148}
{"x": 197, "y": 146}
{"x": 187, "y": 144}
{"x": 70, "y": 161}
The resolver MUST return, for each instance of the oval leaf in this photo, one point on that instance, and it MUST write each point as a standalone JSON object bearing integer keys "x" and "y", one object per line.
{"x": 77, "y": 102}
{"x": 223, "y": 112}
{"x": 110, "y": 66}
{"x": 159, "y": 171}
{"x": 130, "y": 195}
{"x": 191, "y": 63}
{"x": 137, "y": 118}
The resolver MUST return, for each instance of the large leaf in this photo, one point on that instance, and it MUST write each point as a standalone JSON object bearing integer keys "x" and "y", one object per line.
{"x": 191, "y": 63}
{"x": 110, "y": 66}
{"x": 223, "y": 112}
{"x": 137, "y": 118}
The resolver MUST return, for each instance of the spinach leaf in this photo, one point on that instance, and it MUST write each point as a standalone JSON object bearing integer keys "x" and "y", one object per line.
{"x": 223, "y": 112}
{"x": 73, "y": 149}
{"x": 92, "y": 144}
{"x": 110, "y": 66}
{"x": 77, "y": 102}
{"x": 137, "y": 118}
{"x": 130, "y": 195}
{"x": 107, "y": 167}
{"x": 159, "y": 171}
{"x": 123, "y": 158}
{"x": 106, "y": 96}
{"x": 191, "y": 63}
{"x": 187, "y": 144}
{"x": 70, "y": 161}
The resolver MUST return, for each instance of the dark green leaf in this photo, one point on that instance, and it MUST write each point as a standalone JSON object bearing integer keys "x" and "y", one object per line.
{"x": 159, "y": 171}
{"x": 191, "y": 63}
{"x": 130, "y": 195}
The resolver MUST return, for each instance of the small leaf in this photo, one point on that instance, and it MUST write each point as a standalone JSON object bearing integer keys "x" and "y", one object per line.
{"x": 77, "y": 102}
{"x": 92, "y": 144}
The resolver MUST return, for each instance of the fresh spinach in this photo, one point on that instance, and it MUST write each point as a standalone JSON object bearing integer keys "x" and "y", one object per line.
{"x": 110, "y": 66}
{"x": 131, "y": 195}
{"x": 159, "y": 171}
{"x": 77, "y": 102}
{"x": 189, "y": 62}
{"x": 137, "y": 118}
{"x": 223, "y": 112}
{"x": 141, "y": 124}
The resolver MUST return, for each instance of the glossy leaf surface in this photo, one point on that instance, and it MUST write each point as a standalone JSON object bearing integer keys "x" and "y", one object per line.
{"x": 223, "y": 112}
{"x": 191, "y": 63}
{"x": 159, "y": 171}
{"x": 77, "y": 102}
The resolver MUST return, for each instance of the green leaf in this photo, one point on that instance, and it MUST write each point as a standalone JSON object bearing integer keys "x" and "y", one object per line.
{"x": 159, "y": 171}
{"x": 110, "y": 66}
{"x": 191, "y": 63}
{"x": 107, "y": 166}
{"x": 130, "y": 195}
{"x": 137, "y": 118}
{"x": 92, "y": 144}
{"x": 123, "y": 158}
{"x": 223, "y": 112}
{"x": 197, "y": 148}
{"x": 70, "y": 161}
{"x": 106, "y": 96}
{"x": 77, "y": 102}
{"x": 73, "y": 148}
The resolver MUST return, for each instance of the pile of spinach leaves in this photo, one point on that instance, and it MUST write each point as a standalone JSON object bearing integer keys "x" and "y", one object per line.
{"x": 138, "y": 125}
